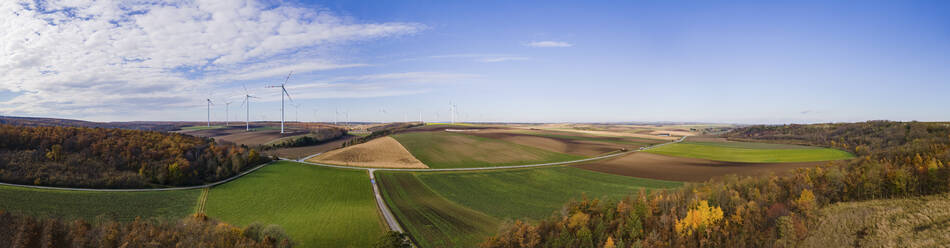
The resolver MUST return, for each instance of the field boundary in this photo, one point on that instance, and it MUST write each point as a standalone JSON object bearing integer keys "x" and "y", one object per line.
{"x": 143, "y": 190}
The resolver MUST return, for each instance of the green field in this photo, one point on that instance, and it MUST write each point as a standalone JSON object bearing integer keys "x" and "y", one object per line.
{"x": 432, "y": 220}
{"x": 751, "y": 145}
{"x": 720, "y": 152}
{"x": 200, "y": 128}
{"x": 440, "y": 149}
{"x": 462, "y": 208}
{"x": 122, "y": 206}
{"x": 317, "y": 206}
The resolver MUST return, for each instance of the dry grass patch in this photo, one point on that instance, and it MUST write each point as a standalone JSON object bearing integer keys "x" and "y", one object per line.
{"x": 383, "y": 152}
{"x": 908, "y": 222}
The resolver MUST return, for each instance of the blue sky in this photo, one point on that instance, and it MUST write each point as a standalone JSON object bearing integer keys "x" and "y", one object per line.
{"x": 515, "y": 61}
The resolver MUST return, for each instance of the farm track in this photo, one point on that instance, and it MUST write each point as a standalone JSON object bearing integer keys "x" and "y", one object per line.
{"x": 202, "y": 201}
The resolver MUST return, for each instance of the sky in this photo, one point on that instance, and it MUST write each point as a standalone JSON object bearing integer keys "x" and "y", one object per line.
{"x": 497, "y": 61}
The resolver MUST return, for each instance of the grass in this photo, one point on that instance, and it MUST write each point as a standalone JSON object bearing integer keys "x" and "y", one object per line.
{"x": 905, "y": 222}
{"x": 122, "y": 206}
{"x": 317, "y": 206}
{"x": 432, "y": 220}
{"x": 454, "y": 150}
{"x": 200, "y": 128}
{"x": 750, "y": 155}
{"x": 463, "y": 208}
{"x": 751, "y": 145}
{"x": 533, "y": 193}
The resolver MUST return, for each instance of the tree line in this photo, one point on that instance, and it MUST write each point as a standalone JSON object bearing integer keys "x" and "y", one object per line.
{"x": 895, "y": 159}
{"x": 116, "y": 158}
{"x": 196, "y": 231}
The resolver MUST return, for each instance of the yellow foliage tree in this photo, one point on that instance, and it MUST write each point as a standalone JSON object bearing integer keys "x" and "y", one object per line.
{"x": 609, "y": 243}
{"x": 806, "y": 201}
{"x": 699, "y": 217}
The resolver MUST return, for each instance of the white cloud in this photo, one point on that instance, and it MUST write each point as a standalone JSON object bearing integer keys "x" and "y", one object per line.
{"x": 87, "y": 57}
{"x": 501, "y": 59}
{"x": 549, "y": 44}
{"x": 484, "y": 58}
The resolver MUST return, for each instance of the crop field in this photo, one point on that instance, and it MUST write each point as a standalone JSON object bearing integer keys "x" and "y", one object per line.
{"x": 903, "y": 222}
{"x": 122, "y": 206}
{"x": 560, "y": 145}
{"x": 304, "y": 151}
{"x": 440, "y": 149}
{"x": 432, "y": 220}
{"x": 201, "y": 128}
{"x": 384, "y": 152}
{"x": 317, "y": 206}
{"x": 501, "y": 195}
{"x": 649, "y": 165}
{"x": 737, "y": 153}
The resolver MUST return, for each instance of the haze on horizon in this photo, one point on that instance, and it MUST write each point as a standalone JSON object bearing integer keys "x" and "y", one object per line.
{"x": 524, "y": 61}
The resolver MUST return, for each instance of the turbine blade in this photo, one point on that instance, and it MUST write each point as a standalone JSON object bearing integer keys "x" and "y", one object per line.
{"x": 288, "y": 76}
{"x": 288, "y": 95}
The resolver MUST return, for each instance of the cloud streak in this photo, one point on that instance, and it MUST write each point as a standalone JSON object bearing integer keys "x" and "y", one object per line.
{"x": 108, "y": 57}
{"x": 545, "y": 44}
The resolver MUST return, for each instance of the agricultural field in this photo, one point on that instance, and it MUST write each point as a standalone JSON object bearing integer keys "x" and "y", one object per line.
{"x": 121, "y": 206}
{"x": 384, "y": 152}
{"x": 457, "y": 150}
{"x": 649, "y": 165}
{"x": 192, "y": 128}
{"x": 442, "y": 149}
{"x": 903, "y": 222}
{"x": 317, "y": 206}
{"x": 750, "y": 152}
{"x": 430, "y": 219}
{"x": 427, "y": 202}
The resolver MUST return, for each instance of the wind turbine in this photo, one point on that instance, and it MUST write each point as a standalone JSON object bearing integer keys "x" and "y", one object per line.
{"x": 296, "y": 111}
{"x": 383, "y": 117}
{"x": 227, "y": 112}
{"x": 247, "y": 109}
{"x": 283, "y": 92}
{"x": 452, "y": 109}
{"x": 209, "y": 110}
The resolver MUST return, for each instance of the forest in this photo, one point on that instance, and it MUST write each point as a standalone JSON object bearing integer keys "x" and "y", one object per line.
{"x": 28, "y": 231}
{"x": 895, "y": 159}
{"x": 116, "y": 158}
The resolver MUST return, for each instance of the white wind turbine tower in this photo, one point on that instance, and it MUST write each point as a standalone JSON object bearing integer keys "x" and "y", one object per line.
{"x": 283, "y": 92}
{"x": 227, "y": 112}
{"x": 383, "y": 117}
{"x": 452, "y": 109}
{"x": 247, "y": 109}
{"x": 296, "y": 111}
{"x": 209, "y": 110}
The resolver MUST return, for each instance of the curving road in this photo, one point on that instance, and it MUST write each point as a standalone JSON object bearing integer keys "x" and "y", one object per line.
{"x": 384, "y": 209}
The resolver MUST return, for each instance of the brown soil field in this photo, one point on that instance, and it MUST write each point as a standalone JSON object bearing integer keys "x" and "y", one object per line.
{"x": 304, "y": 151}
{"x": 620, "y": 134}
{"x": 384, "y": 152}
{"x": 241, "y": 136}
{"x": 256, "y": 137}
{"x": 648, "y": 165}
{"x": 706, "y": 139}
{"x": 575, "y": 147}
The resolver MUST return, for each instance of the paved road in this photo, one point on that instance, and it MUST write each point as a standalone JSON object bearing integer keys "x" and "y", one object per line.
{"x": 387, "y": 214}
